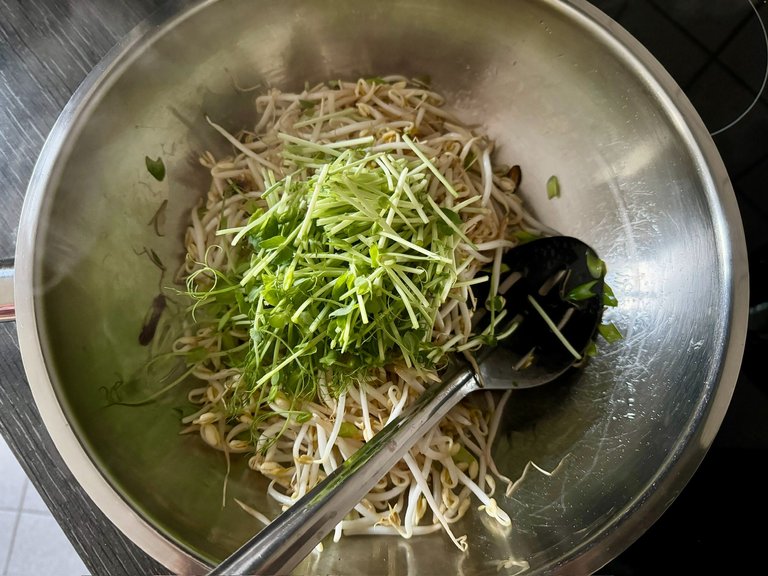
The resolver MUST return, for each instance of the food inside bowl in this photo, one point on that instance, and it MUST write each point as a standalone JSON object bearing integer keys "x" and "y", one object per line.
{"x": 333, "y": 268}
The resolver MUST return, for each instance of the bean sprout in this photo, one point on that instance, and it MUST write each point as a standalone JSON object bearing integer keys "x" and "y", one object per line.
{"x": 295, "y": 441}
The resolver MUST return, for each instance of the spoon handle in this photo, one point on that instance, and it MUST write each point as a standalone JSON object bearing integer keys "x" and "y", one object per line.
{"x": 288, "y": 539}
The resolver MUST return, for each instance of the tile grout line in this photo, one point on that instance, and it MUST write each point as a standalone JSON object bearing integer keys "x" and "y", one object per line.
{"x": 713, "y": 54}
{"x": 41, "y": 513}
{"x": 16, "y": 522}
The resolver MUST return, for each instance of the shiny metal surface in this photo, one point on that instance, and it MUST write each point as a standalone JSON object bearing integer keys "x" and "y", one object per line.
{"x": 7, "y": 307}
{"x": 565, "y": 92}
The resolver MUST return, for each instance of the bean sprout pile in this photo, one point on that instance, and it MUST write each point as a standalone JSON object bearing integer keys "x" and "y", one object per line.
{"x": 332, "y": 266}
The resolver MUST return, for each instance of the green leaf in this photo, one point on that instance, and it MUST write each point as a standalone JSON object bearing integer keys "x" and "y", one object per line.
{"x": 495, "y": 304}
{"x": 595, "y": 265}
{"x": 330, "y": 358}
{"x": 272, "y": 243}
{"x": 155, "y": 167}
{"x": 340, "y": 286}
{"x": 609, "y": 332}
{"x": 232, "y": 188}
{"x": 609, "y": 299}
{"x": 278, "y": 320}
{"x": 271, "y": 296}
{"x": 373, "y": 305}
{"x": 343, "y": 311}
{"x": 228, "y": 341}
{"x": 284, "y": 256}
{"x": 224, "y": 319}
{"x": 307, "y": 104}
{"x": 443, "y": 227}
{"x": 252, "y": 208}
{"x": 302, "y": 417}
{"x": 304, "y": 319}
{"x": 362, "y": 285}
{"x": 237, "y": 357}
{"x": 270, "y": 227}
{"x": 525, "y": 236}
{"x": 553, "y": 187}
{"x": 196, "y": 355}
{"x": 581, "y": 292}
{"x": 463, "y": 455}
{"x": 349, "y": 430}
{"x": 254, "y": 243}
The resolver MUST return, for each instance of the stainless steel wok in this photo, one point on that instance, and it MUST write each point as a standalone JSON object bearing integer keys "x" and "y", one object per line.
{"x": 565, "y": 91}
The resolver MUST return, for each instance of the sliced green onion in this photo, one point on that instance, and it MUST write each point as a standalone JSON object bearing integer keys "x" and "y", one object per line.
{"x": 155, "y": 167}
{"x": 609, "y": 298}
{"x": 609, "y": 332}
{"x": 581, "y": 292}
{"x": 553, "y": 187}
{"x": 595, "y": 265}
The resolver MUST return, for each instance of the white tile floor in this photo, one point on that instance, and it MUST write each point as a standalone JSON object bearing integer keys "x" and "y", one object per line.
{"x": 31, "y": 541}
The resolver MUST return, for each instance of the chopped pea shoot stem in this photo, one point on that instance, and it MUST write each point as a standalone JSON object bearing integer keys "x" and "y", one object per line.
{"x": 553, "y": 327}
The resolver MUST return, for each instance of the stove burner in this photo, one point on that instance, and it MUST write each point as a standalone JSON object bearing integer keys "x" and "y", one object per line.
{"x": 765, "y": 76}
{"x": 717, "y": 51}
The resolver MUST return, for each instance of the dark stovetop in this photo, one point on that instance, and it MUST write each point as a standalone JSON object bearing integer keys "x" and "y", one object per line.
{"x": 718, "y": 53}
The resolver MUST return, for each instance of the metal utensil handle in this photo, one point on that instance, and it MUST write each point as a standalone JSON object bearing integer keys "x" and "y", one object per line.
{"x": 7, "y": 306}
{"x": 285, "y": 542}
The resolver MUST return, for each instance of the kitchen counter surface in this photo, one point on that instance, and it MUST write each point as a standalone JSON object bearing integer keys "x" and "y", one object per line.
{"x": 46, "y": 49}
